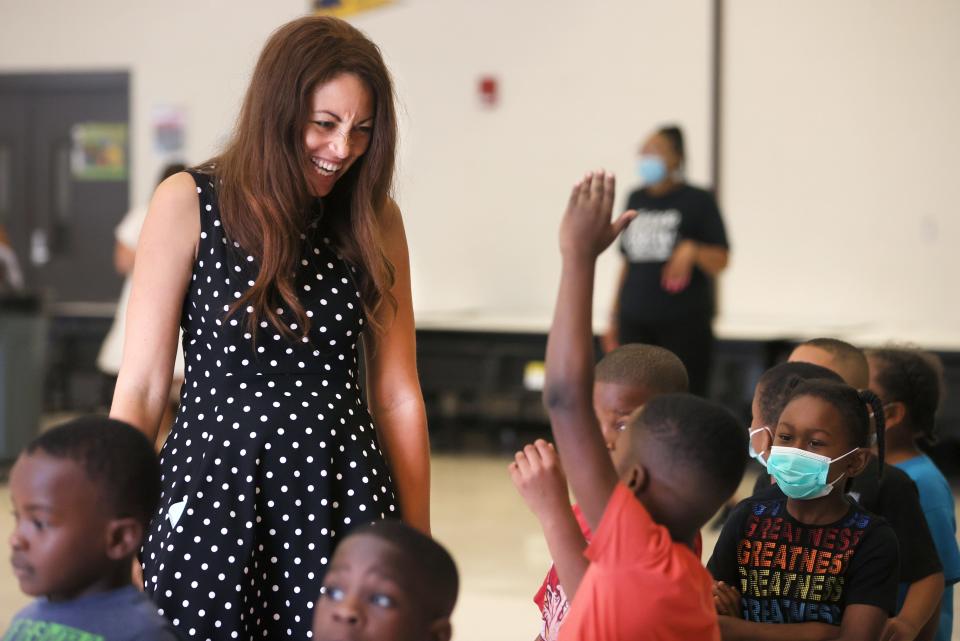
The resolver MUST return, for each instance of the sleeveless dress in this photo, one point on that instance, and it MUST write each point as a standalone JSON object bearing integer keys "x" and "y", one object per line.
{"x": 273, "y": 455}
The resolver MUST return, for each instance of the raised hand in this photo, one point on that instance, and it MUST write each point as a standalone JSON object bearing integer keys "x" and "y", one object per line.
{"x": 538, "y": 477}
{"x": 586, "y": 229}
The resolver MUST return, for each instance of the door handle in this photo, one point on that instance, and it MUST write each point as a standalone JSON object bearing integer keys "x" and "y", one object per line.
{"x": 39, "y": 247}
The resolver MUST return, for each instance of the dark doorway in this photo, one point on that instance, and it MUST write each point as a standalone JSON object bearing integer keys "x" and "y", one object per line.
{"x": 59, "y": 205}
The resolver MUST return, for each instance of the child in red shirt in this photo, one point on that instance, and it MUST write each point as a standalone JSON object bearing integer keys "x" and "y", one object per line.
{"x": 679, "y": 459}
{"x": 626, "y": 379}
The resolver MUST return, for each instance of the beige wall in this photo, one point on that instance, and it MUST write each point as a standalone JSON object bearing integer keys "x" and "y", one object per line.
{"x": 481, "y": 189}
{"x": 841, "y": 165}
{"x": 840, "y": 135}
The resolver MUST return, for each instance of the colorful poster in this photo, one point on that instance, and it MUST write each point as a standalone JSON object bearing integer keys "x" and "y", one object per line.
{"x": 99, "y": 151}
{"x": 169, "y": 126}
{"x": 343, "y": 8}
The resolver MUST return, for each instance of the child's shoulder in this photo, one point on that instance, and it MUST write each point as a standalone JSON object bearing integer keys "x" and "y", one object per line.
{"x": 859, "y": 517}
{"x": 925, "y": 473}
{"x": 120, "y": 614}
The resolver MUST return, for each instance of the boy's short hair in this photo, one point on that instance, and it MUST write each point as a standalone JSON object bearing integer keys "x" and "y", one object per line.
{"x": 637, "y": 364}
{"x": 776, "y": 386}
{"x": 431, "y": 561}
{"x": 115, "y": 456}
{"x": 850, "y": 357}
{"x": 706, "y": 444}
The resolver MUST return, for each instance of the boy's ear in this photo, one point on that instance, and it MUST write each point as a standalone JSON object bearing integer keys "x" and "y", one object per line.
{"x": 858, "y": 461}
{"x": 124, "y": 536}
{"x": 893, "y": 414}
{"x": 637, "y": 478}
{"x": 441, "y": 630}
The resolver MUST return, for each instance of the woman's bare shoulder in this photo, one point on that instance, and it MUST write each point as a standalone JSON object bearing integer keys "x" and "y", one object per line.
{"x": 177, "y": 196}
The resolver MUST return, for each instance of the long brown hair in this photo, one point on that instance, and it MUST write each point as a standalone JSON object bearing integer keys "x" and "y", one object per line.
{"x": 263, "y": 193}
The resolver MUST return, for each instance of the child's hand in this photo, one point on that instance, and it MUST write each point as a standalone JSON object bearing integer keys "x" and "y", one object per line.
{"x": 727, "y": 600}
{"x": 586, "y": 229}
{"x": 899, "y": 629}
{"x": 538, "y": 477}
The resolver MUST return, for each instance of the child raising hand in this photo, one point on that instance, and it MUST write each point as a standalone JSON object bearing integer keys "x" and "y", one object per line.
{"x": 676, "y": 462}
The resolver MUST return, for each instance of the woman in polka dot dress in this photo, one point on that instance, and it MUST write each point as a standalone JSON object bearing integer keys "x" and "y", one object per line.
{"x": 276, "y": 258}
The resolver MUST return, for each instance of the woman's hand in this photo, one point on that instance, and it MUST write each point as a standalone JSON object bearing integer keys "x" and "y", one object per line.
{"x": 611, "y": 338}
{"x": 677, "y": 272}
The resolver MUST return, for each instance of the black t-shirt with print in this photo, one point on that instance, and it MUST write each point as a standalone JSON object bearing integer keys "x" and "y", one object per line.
{"x": 686, "y": 213}
{"x": 895, "y": 498}
{"x": 789, "y": 572}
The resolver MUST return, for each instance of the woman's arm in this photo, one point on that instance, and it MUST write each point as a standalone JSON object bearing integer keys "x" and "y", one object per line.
{"x": 393, "y": 387}
{"x": 164, "y": 263}
{"x": 611, "y": 339}
{"x": 711, "y": 259}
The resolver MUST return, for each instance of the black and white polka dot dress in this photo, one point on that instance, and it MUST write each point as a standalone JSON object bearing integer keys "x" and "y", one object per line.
{"x": 272, "y": 456}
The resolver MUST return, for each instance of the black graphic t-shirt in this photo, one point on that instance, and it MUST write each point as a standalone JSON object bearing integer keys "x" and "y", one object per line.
{"x": 789, "y": 572}
{"x": 687, "y": 213}
{"x": 895, "y": 498}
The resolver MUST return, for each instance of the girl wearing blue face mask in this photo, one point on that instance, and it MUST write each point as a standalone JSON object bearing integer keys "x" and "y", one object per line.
{"x": 672, "y": 251}
{"x": 812, "y": 564}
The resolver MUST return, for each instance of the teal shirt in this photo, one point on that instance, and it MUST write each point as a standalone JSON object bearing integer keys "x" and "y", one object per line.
{"x": 937, "y": 502}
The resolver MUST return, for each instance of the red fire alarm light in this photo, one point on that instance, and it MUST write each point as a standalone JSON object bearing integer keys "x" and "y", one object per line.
{"x": 488, "y": 91}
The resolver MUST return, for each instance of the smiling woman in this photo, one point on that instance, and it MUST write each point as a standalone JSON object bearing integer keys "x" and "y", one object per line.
{"x": 276, "y": 258}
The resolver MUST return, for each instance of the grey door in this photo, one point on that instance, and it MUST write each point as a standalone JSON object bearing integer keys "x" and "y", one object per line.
{"x": 60, "y": 213}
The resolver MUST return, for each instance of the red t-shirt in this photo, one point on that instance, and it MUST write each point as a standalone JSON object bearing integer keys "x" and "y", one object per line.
{"x": 640, "y": 583}
{"x": 550, "y": 598}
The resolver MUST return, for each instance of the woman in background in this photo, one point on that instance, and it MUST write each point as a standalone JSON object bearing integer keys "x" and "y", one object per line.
{"x": 672, "y": 252}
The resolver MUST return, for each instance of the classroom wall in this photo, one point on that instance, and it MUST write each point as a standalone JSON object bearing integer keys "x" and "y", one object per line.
{"x": 840, "y": 166}
{"x": 481, "y": 189}
{"x": 839, "y": 130}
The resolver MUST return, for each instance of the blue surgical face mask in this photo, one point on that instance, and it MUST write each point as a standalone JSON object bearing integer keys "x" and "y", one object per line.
{"x": 754, "y": 453}
{"x": 651, "y": 169}
{"x": 802, "y": 474}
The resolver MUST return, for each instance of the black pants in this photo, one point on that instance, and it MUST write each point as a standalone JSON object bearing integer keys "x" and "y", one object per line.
{"x": 691, "y": 339}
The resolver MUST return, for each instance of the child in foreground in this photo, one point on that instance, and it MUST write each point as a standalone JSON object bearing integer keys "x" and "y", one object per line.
{"x": 83, "y": 494}
{"x": 808, "y": 562}
{"x": 888, "y": 492}
{"x": 626, "y": 379}
{"x": 387, "y": 582}
{"x": 909, "y": 383}
{"x": 678, "y": 460}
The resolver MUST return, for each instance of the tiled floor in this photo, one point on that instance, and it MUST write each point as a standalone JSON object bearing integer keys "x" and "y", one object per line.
{"x": 495, "y": 540}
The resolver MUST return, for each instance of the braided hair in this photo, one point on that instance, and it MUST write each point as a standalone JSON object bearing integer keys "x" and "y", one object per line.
{"x": 775, "y": 387}
{"x": 913, "y": 378}
{"x": 857, "y": 410}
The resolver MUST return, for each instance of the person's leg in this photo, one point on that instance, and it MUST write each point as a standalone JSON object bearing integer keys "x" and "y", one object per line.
{"x": 692, "y": 341}
{"x": 636, "y": 332}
